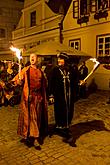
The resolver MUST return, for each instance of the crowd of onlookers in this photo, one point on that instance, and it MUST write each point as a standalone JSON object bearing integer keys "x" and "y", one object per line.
{"x": 9, "y": 69}
{"x": 8, "y": 95}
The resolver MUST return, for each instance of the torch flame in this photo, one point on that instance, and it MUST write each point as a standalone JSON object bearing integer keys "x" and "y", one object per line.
{"x": 92, "y": 71}
{"x": 17, "y": 51}
{"x": 18, "y": 54}
{"x": 96, "y": 62}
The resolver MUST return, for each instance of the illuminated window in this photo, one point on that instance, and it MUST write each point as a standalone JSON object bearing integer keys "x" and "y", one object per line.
{"x": 33, "y": 18}
{"x": 75, "y": 44}
{"x": 103, "y": 45}
{"x": 2, "y": 33}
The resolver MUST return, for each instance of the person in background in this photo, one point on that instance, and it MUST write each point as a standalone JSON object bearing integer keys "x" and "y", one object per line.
{"x": 33, "y": 119}
{"x": 10, "y": 72}
{"x": 3, "y": 80}
{"x": 2, "y": 72}
{"x": 83, "y": 72}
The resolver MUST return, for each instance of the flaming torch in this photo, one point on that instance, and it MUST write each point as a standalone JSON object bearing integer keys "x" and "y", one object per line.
{"x": 97, "y": 63}
{"x": 18, "y": 55}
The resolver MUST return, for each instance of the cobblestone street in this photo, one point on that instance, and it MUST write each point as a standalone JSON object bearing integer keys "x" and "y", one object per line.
{"x": 90, "y": 129}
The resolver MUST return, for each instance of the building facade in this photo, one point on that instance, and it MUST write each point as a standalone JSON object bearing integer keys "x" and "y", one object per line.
{"x": 38, "y": 24}
{"x": 10, "y": 12}
{"x": 86, "y": 27}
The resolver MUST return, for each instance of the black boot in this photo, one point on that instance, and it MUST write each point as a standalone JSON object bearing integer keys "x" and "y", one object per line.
{"x": 40, "y": 140}
{"x": 70, "y": 140}
{"x": 37, "y": 147}
{"x": 23, "y": 140}
{"x": 30, "y": 142}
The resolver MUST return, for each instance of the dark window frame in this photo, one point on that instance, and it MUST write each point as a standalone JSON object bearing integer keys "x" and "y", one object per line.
{"x": 33, "y": 18}
{"x": 96, "y": 5}
{"x": 101, "y": 45}
{"x": 78, "y": 10}
{"x": 75, "y": 40}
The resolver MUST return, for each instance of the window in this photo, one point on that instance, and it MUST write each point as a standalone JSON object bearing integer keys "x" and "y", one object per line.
{"x": 101, "y": 9}
{"x": 2, "y": 33}
{"x": 75, "y": 44}
{"x": 81, "y": 10}
{"x": 33, "y": 18}
{"x": 103, "y": 45}
{"x": 99, "y": 5}
{"x": 83, "y": 7}
{"x": 102, "y": 4}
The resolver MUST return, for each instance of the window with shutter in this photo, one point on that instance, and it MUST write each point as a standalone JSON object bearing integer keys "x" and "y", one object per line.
{"x": 102, "y": 7}
{"x": 33, "y": 18}
{"x": 102, "y": 4}
{"x": 81, "y": 10}
{"x": 93, "y": 5}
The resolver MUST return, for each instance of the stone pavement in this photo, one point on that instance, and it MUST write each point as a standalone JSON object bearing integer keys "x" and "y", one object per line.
{"x": 90, "y": 130}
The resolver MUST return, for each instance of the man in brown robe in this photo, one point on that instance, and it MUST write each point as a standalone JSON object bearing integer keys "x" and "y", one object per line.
{"x": 33, "y": 118}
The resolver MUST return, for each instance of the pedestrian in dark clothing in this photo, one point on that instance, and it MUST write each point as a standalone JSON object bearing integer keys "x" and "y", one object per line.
{"x": 10, "y": 74}
{"x": 62, "y": 89}
{"x": 83, "y": 72}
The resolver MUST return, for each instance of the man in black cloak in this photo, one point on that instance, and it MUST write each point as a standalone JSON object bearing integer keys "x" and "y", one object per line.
{"x": 63, "y": 79}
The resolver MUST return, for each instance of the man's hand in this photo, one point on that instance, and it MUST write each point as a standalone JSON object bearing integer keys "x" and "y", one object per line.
{"x": 82, "y": 82}
{"x": 51, "y": 99}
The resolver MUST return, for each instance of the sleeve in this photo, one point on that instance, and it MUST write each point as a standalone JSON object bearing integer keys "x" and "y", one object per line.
{"x": 19, "y": 77}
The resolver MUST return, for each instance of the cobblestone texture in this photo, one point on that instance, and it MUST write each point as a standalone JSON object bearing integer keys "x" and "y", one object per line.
{"x": 90, "y": 129}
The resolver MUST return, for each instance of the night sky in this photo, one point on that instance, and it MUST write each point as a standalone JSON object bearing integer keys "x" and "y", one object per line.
{"x": 55, "y": 4}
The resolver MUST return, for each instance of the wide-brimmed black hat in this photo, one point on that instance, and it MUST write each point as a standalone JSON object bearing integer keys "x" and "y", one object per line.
{"x": 63, "y": 55}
